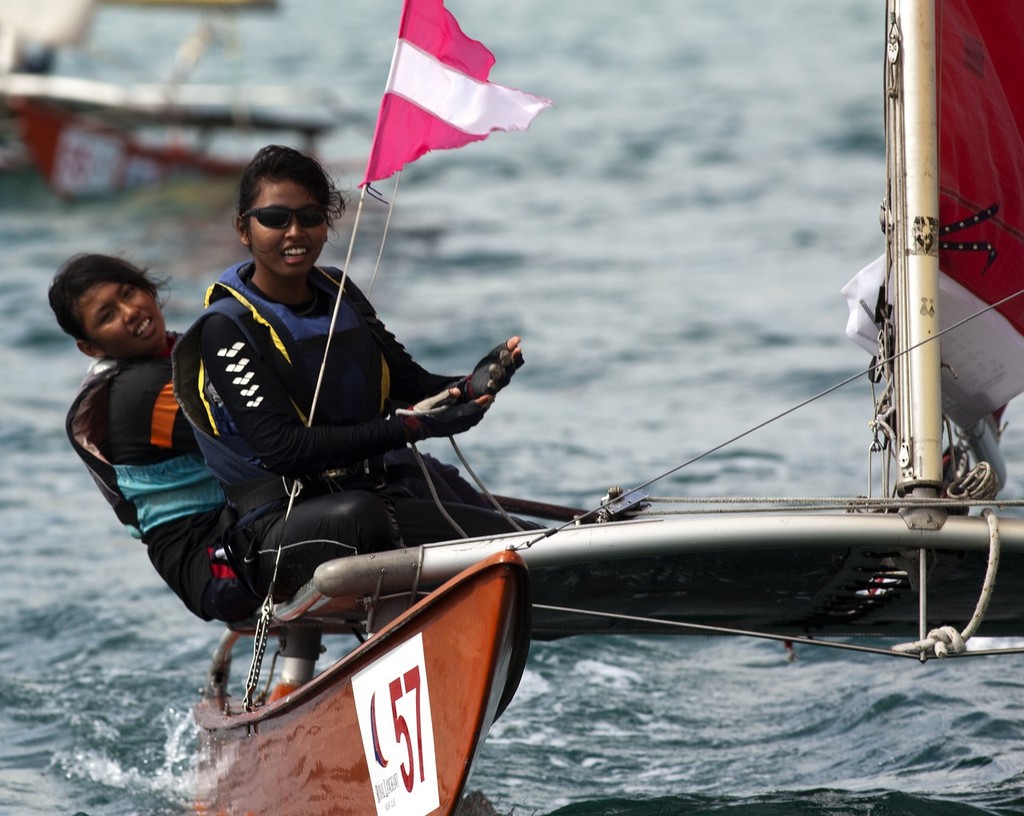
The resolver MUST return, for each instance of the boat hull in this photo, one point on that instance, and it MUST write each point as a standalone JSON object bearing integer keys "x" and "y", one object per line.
{"x": 844, "y": 575}
{"x": 394, "y": 726}
{"x": 78, "y": 157}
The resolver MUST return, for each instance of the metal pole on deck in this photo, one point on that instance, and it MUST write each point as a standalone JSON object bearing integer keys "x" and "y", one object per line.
{"x": 916, "y": 264}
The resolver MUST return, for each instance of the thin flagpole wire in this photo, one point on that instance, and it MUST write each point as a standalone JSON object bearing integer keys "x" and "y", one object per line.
{"x": 341, "y": 289}
{"x": 384, "y": 237}
{"x": 337, "y": 307}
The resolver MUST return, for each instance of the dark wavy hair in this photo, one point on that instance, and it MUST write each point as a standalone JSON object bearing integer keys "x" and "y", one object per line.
{"x": 279, "y": 163}
{"x": 80, "y": 273}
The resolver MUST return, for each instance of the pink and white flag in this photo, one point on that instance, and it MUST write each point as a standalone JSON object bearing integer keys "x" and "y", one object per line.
{"x": 438, "y": 96}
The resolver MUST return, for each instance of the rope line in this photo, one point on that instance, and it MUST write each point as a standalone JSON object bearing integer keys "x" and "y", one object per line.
{"x": 433, "y": 492}
{"x": 483, "y": 488}
{"x": 761, "y": 504}
{"x": 946, "y": 639}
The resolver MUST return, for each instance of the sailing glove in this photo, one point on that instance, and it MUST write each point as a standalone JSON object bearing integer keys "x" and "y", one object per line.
{"x": 441, "y": 415}
{"x": 491, "y": 374}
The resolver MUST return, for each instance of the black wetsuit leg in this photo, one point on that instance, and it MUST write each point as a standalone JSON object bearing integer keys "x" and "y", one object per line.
{"x": 422, "y": 523}
{"x": 317, "y": 530}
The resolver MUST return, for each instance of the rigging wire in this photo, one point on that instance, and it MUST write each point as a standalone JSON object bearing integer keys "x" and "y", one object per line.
{"x": 337, "y": 307}
{"x": 480, "y": 484}
{"x": 726, "y": 630}
{"x": 873, "y": 367}
{"x": 433, "y": 492}
{"x": 869, "y": 371}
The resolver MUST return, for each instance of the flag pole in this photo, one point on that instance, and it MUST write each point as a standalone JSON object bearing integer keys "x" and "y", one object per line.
{"x": 337, "y": 303}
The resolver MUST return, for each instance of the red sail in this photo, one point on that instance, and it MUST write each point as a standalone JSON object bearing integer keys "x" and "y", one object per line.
{"x": 981, "y": 151}
{"x": 980, "y": 78}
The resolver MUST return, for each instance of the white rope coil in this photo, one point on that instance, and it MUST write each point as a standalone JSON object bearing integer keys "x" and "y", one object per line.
{"x": 945, "y": 640}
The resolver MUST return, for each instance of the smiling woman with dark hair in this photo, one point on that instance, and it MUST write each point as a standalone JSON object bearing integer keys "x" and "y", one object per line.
{"x": 126, "y": 426}
{"x": 302, "y": 398}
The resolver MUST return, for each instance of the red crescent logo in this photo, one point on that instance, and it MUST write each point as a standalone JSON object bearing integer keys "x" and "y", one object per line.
{"x": 377, "y": 753}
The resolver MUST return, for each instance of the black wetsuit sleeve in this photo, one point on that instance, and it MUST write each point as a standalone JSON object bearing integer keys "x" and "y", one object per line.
{"x": 266, "y": 419}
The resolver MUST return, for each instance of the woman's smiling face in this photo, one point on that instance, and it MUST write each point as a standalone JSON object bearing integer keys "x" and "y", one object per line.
{"x": 121, "y": 320}
{"x": 283, "y": 256}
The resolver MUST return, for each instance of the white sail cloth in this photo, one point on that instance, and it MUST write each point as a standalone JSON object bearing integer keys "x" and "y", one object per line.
{"x": 982, "y": 357}
{"x": 46, "y": 22}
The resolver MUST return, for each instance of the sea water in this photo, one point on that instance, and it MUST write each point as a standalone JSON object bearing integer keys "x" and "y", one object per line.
{"x": 669, "y": 239}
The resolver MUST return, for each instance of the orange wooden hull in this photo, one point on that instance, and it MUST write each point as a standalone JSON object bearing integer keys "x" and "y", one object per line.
{"x": 394, "y": 727}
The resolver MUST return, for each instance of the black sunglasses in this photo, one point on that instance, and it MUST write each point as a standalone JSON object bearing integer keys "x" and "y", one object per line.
{"x": 280, "y": 217}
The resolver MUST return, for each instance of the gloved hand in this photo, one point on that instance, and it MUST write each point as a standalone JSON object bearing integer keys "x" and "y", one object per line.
{"x": 444, "y": 414}
{"x": 494, "y": 371}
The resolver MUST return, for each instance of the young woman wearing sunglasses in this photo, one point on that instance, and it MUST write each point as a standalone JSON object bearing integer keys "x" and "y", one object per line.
{"x": 125, "y": 425}
{"x": 300, "y": 400}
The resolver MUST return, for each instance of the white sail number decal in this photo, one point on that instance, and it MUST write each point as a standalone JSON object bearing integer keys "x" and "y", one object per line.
{"x": 393, "y": 707}
{"x": 90, "y": 162}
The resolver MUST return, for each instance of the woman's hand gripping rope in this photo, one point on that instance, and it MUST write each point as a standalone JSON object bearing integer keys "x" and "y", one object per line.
{"x": 444, "y": 414}
{"x": 460, "y": 407}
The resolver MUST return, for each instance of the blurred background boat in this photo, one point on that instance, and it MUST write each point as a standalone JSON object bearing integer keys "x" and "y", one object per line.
{"x": 90, "y": 136}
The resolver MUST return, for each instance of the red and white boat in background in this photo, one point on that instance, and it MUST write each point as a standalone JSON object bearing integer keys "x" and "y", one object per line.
{"x": 88, "y": 137}
{"x": 81, "y": 156}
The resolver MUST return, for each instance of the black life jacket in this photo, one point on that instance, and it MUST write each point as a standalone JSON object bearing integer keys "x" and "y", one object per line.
{"x": 357, "y": 390}
{"x": 142, "y": 496}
